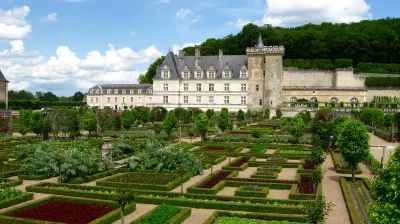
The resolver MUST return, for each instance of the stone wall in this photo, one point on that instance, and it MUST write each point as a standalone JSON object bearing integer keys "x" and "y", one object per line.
{"x": 3, "y": 90}
{"x": 310, "y": 78}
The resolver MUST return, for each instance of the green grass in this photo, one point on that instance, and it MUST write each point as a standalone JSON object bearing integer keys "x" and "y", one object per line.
{"x": 290, "y": 151}
{"x": 257, "y": 148}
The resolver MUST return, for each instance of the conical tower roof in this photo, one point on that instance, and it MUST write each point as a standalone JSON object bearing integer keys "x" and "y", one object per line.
{"x": 260, "y": 42}
{"x": 2, "y": 78}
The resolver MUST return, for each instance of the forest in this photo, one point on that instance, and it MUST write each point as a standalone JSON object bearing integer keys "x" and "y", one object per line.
{"x": 375, "y": 41}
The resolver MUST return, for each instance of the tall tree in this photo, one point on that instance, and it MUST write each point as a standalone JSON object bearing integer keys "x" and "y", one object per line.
{"x": 297, "y": 127}
{"x": 127, "y": 119}
{"x": 170, "y": 123}
{"x": 78, "y": 96}
{"x": 151, "y": 72}
{"x": 37, "y": 123}
{"x": 89, "y": 121}
{"x": 354, "y": 143}
{"x": 202, "y": 124}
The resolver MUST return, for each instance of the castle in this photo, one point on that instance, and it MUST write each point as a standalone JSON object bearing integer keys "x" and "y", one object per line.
{"x": 255, "y": 81}
{"x": 3, "y": 89}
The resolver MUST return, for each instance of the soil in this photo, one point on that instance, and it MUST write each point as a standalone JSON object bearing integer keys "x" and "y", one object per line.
{"x": 270, "y": 151}
{"x": 278, "y": 194}
{"x": 216, "y": 179}
{"x": 240, "y": 162}
{"x": 227, "y": 191}
{"x": 287, "y": 174}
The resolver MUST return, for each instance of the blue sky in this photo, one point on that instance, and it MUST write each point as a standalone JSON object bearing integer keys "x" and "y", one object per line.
{"x": 69, "y": 45}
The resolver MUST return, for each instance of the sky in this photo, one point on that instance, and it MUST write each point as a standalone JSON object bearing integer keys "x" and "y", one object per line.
{"x": 66, "y": 46}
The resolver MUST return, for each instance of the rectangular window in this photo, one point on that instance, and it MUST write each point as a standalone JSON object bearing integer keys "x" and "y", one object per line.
{"x": 131, "y": 99}
{"x": 198, "y": 87}
{"x": 211, "y": 99}
{"x": 244, "y": 100}
{"x": 260, "y": 102}
{"x": 243, "y": 74}
{"x": 185, "y": 87}
{"x": 123, "y": 99}
{"x": 115, "y": 99}
{"x": 198, "y": 99}
{"x": 185, "y": 99}
{"x": 108, "y": 99}
{"x": 226, "y": 99}
{"x": 257, "y": 88}
{"x": 97, "y": 99}
{"x": 211, "y": 75}
{"x": 165, "y": 86}
{"x": 165, "y": 99}
{"x": 185, "y": 75}
{"x": 226, "y": 87}
{"x": 91, "y": 99}
{"x": 244, "y": 87}
{"x": 226, "y": 75}
{"x": 198, "y": 75}
{"x": 211, "y": 87}
{"x": 165, "y": 74}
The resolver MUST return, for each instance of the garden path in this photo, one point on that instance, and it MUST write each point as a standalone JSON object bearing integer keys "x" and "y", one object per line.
{"x": 278, "y": 194}
{"x": 227, "y": 191}
{"x": 141, "y": 209}
{"x": 376, "y": 149}
{"x": 287, "y": 174}
{"x": 333, "y": 193}
{"x": 199, "y": 215}
{"x": 197, "y": 178}
{"x": 247, "y": 172}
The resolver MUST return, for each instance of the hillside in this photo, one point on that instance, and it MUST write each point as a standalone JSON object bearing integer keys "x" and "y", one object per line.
{"x": 374, "y": 41}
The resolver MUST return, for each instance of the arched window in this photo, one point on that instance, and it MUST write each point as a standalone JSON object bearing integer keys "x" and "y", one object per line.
{"x": 354, "y": 100}
{"x": 314, "y": 99}
{"x": 334, "y": 100}
{"x": 293, "y": 100}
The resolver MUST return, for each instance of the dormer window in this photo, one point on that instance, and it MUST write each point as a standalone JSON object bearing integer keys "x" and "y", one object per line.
{"x": 150, "y": 91}
{"x": 108, "y": 91}
{"x": 131, "y": 91}
{"x": 243, "y": 74}
{"x": 115, "y": 91}
{"x": 123, "y": 91}
{"x": 139, "y": 91}
{"x": 211, "y": 74}
{"x": 165, "y": 74}
{"x": 226, "y": 75}
{"x": 97, "y": 91}
{"x": 198, "y": 75}
{"x": 185, "y": 75}
{"x": 91, "y": 91}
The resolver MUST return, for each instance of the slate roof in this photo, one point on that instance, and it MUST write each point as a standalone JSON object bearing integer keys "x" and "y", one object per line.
{"x": 234, "y": 62}
{"x": 2, "y": 78}
{"x": 120, "y": 87}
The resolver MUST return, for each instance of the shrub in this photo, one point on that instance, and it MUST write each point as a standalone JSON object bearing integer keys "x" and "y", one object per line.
{"x": 344, "y": 63}
{"x": 256, "y": 133}
{"x": 278, "y": 113}
{"x": 373, "y": 117}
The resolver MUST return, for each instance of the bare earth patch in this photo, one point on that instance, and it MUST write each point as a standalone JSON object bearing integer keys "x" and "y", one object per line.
{"x": 287, "y": 174}
{"x": 245, "y": 150}
{"x": 261, "y": 160}
{"x": 278, "y": 194}
{"x": 227, "y": 191}
{"x": 270, "y": 151}
{"x": 247, "y": 172}
{"x": 294, "y": 161}
{"x": 199, "y": 215}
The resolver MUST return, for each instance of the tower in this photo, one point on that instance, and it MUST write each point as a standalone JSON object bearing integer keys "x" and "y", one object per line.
{"x": 265, "y": 76}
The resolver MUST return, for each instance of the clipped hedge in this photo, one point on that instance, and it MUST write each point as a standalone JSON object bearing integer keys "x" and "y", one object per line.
{"x": 178, "y": 218}
{"x": 108, "y": 218}
{"x": 242, "y": 192}
{"x": 244, "y": 166}
{"x": 167, "y": 187}
{"x": 323, "y": 64}
{"x": 342, "y": 170}
{"x": 80, "y": 180}
{"x": 351, "y": 207}
{"x": 5, "y": 183}
{"x": 383, "y": 68}
{"x": 29, "y": 177}
{"x": 261, "y": 216}
{"x": 295, "y": 195}
{"x": 387, "y": 81}
{"x": 16, "y": 200}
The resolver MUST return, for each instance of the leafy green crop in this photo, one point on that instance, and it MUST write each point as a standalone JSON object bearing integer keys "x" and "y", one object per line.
{"x": 160, "y": 215}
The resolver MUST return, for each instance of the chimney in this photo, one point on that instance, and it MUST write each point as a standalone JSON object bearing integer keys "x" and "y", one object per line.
{"x": 197, "y": 58}
{"x": 181, "y": 55}
{"x": 220, "y": 54}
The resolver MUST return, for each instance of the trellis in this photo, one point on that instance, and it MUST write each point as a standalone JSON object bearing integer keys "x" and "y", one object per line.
{"x": 5, "y": 122}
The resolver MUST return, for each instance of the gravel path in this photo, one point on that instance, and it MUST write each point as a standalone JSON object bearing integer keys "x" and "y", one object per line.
{"x": 378, "y": 152}
{"x": 294, "y": 161}
{"x": 247, "y": 172}
{"x": 270, "y": 151}
{"x": 245, "y": 150}
{"x": 278, "y": 194}
{"x": 261, "y": 159}
{"x": 287, "y": 174}
{"x": 141, "y": 209}
{"x": 197, "y": 178}
{"x": 199, "y": 216}
{"x": 333, "y": 193}
{"x": 227, "y": 191}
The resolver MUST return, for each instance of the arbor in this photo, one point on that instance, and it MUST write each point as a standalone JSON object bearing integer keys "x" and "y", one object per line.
{"x": 202, "y": 123}
{"x": 354, "y": 143}
{"x": 127, "y": 119}
{"x": 170, "y": 123}
{"x": 89, "y": 121}
{"x": 385, "y": 190}
{"x": 123, "y": 198}
{"x": 297, "y": 127}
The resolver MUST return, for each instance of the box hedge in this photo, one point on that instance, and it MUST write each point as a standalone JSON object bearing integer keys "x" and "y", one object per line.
{"x": 16, "y": 200}
{"x": 5, "y": 183}
{"x": 243, "y": 192}
{"x": 261, "y": 216}
{"x": 341, "y": 169}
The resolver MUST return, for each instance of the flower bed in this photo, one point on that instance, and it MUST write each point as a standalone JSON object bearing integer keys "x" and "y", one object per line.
{"x": 215, "y": 179}
{"x": 144, "y": 180}
{"x": 164, "y": 214}
{"x": 292, "y": 151}
{"x": 240, "y": 162}
{"x": 65, "y": 210}
{"x": 214, "y": 148}
{"x": 306, "y": 186}
{"x": 308, "y": 166}
{"x": 230, "y": 220}
{"x": 258, "y": 148}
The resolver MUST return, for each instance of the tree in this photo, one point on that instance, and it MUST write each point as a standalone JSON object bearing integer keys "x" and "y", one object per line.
{"x": 385, "y": 191}
{"x": 278, "y": 113}
{"x": 337, "y": 127}
{"x": 48, "y": 96}
{"x": 181, "y": 170}
{"x": 117, "y": 121}
{"x": 123, "y": 198}
{"x": 210, "y": 113}
{"x": 37, "y": 123}
{"x": 127, "y": 119}
{"x": 25, "y": 117}
{"x": 3, "y": 159}
{"x": 144, "y": 115}
{"x": 316, "y": 212}
{"x": 202, "y": 124}
{"x": 230, "y": 150}
{"x": 78, "y": 96}
{"x": 297, "y": 127}
{"x": 267, "y": 113}
{"x": 240, "y": 115}
{"x": 354, "y": 143}
{"x": 372, "y": 117}
{"x": 153, "y": 115}
{"x": 89, "y": 121}
{"x": 147, "y": 78}
{"x": 249, "y": 116}
{"x": 191, "y": 133}
{"x": 317, "y": 156}
{"x": 170, "y": 123}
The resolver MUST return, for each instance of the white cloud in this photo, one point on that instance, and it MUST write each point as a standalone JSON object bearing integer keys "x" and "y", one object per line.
{"x": 64, "y": 68}
{"x": 294, "y": 12}
{"x": 188, "y": 15}
{"x": 239, "y": 23}
{"x": 162, "y": 1}
{"x": 176, "y": 47}
{"x": 52, "y": 17}
{"x": 13, "y": 24}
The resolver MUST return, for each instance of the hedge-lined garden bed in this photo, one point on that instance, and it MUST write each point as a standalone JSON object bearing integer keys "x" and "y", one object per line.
{"x": 16, "y": 200}
{"x": 340, "y": 164}
{"x": 4, "y": 183}
{"x": 164, "y": 214}
{"x": 252, "y": 191}
{"x": 245, "y": 217}
{"x": 65, "y": 210}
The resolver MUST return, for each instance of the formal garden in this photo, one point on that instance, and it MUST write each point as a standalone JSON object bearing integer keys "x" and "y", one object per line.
{"x": 190, "y": 166}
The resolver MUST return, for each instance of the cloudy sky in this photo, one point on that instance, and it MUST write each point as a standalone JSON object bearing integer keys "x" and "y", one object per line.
{"x": 69, "y": 45}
